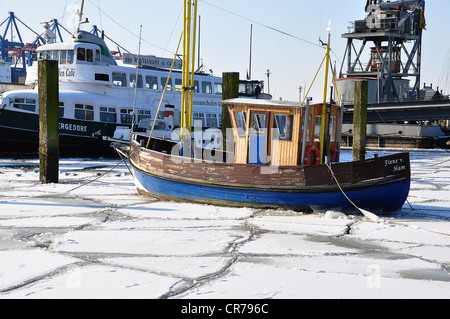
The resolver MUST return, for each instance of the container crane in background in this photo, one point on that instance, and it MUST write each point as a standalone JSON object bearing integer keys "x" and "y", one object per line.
{"x": 392, "y": 32}
{"x": 17, "y": 55}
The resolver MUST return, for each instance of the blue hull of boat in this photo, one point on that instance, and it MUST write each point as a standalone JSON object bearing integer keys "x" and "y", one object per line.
{"x": 387, "y": 197}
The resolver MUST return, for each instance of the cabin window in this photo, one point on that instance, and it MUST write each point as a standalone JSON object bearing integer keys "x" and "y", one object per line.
{"x": 61, "y": 109}
{"x": 84, "y": 112}
{"x": 151, "y": 82}
{"x": 25, "y": 104}
{"x": 126, "y": 116}
{"x": 206, "y": 87}
{"x": 70, "y": 56}
{"x": 97, "y": 56}
{"x": 178, "y": 83}
{"x": 283, "y": 123}
{"x": 101, "y": 77}
{"x": 144, "y": 114}
{"x": 119, "y": 79}
{"x": 317, "y": 128}
{"x": 217, "y": 88}
{"x": 63, "y": 57}
{"x": 108, "y": 114}
{"x": 81, "y": 54}
{"x": 333, "y": 129}
{"x": 89, "y": 55}
{"x": 196, "y": 87}
{"x": 259, "y": 123}
{"x": 53, "y": 55}
{"x": 200, "y": 117}
{"x": 140, "y": 85}
{"x": 211, "y": 120}
{"x": 241, "y": 122}
{"x": 163, "y": 83}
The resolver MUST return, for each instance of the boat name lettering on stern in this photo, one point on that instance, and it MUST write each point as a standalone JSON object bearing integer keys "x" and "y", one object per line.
{"x": 73, "y": 127}
{"x": 396, "y": 164}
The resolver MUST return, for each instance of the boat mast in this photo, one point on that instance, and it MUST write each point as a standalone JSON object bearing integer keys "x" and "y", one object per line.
{"x": 80, "y": 17}
{"x": 187, "y": 93}
{"x": 325, "y": 89}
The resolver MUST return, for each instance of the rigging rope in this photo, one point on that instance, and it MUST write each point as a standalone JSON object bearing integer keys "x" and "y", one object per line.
{"x": 262, "y": 24}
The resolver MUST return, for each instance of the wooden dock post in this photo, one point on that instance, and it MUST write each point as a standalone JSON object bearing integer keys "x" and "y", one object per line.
{"x": 230, "y": 90}
{"x": 360, "y": 120}
{"x": 48, "y": 78}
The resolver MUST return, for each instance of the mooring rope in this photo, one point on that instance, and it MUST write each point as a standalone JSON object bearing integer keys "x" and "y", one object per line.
{"x": 374, "y": 217}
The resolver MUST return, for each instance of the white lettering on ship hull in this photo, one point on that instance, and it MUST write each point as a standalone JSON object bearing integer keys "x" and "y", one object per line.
{"x": 66, "y": 72}
{"x": 73, "y": 127}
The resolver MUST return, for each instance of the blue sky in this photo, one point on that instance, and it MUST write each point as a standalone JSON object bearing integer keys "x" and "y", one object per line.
{"x": 292, "y": 60}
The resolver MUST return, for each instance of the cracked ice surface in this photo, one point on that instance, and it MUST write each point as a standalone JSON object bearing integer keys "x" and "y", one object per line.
{"x": 103, "y": 240}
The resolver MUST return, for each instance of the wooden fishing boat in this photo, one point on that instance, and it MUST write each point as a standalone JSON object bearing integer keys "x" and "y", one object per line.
{"x": 280, "y": 154}
{"x": 268, "y": 172}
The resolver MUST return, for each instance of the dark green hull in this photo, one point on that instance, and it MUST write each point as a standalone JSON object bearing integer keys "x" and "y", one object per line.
{"x": 19, "y": 136}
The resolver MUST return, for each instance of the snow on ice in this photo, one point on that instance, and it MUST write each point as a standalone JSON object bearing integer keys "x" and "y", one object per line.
{"x": 103, "y": 240}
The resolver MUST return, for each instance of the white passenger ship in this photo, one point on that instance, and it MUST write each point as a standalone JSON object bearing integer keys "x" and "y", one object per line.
{"x": 98, "y": 96}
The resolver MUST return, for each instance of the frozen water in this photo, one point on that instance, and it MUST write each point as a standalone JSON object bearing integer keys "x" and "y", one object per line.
{"x": 103, "y": 240}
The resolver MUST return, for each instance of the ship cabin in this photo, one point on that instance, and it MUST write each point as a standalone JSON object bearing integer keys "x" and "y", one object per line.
{"x": 268, "y": 132}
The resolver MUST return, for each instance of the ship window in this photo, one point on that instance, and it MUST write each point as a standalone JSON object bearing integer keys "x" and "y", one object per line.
{"x": 84, "y": 112}
{"x": 200, "y": 117}
{"x": 241, "y": 122}
{"x": 144, "y": 114}
{"x": 61, "y": 109}
{"x": 81, "y": 54}
{"x": 178, "y": 83}
{"x": 126, "y": 116}
{"x": 70, "y": 56}
{"x": 333, "y": 128}
{"x": 317, "y": 128}
{"x": 211, "y": 120}
{"x": 63, "y": 57}
{"x": 151, "y": 82}
{"x": 101, "y": 77}
{"x": 119, "y": 79}
{"x": 163, "y": 83}
{"x": 207, "y": 87}
{"x": 54, "y": 55}
{"x": 217, "y": 88}
{"x": 196, "y": 87}
{"x": 90, "y": 55}
{"x": 97, "y": 56}
{"x": 259, "y": 122}
{"x": 133, "y": 81}
{"x": 25, "y": 104}
{"x": 283, "y": 123}
{"x": 108, "y": 114}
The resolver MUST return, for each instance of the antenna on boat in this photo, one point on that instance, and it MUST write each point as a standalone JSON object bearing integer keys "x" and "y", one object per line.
{"x": 325, "y": 88}
{"x": 137, "y": 76}
{"x": 80, "y": 17}
{"x": 249, "y": 77}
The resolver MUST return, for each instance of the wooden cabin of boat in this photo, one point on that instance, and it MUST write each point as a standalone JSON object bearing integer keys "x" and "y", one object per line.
{"x": 279, "y": 134}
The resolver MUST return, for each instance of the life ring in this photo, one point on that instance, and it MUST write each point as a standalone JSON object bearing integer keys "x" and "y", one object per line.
{"x": 316, "y": 151}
